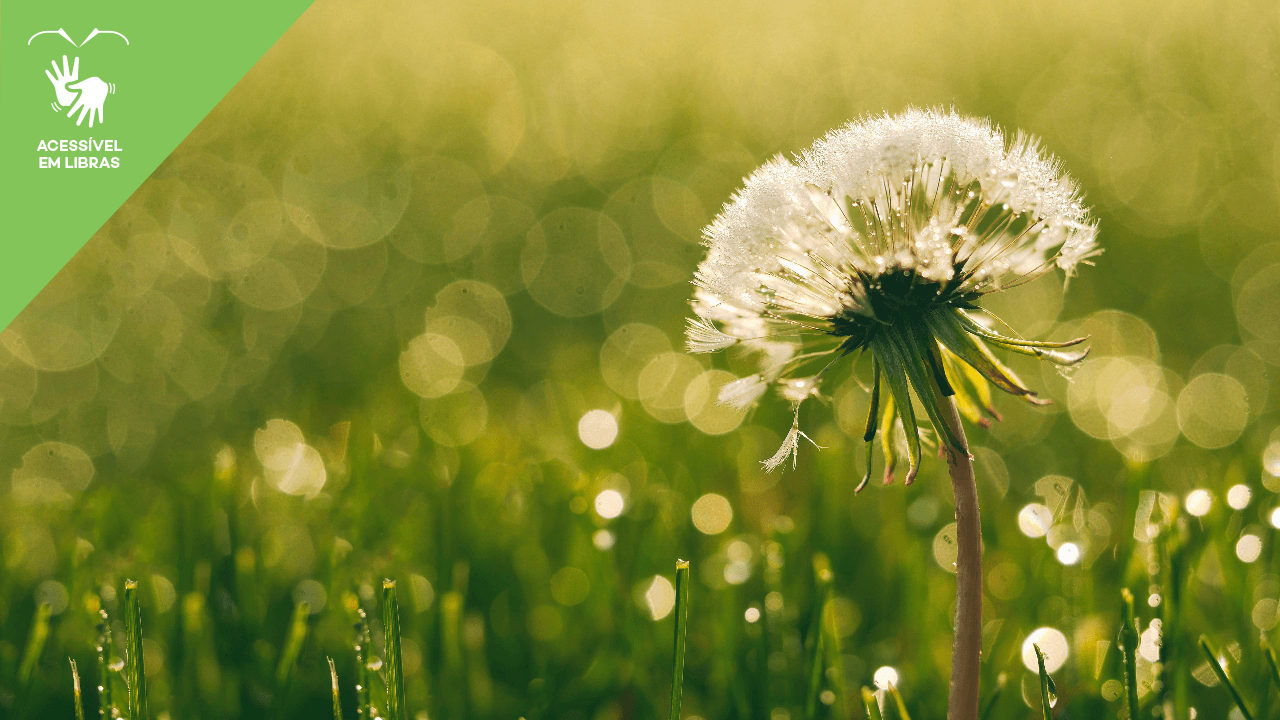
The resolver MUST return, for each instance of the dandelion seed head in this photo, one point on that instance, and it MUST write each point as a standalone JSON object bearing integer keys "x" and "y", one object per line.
{"x": 888, "y": 230}
{"x": 925, "y": 191}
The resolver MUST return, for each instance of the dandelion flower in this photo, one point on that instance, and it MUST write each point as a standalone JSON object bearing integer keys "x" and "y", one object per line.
{"x": 884, "y": 237}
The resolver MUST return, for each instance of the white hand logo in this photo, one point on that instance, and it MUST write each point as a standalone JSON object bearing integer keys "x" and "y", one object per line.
{"x": 93, "y": 91}
{"x": 60, "y": 78}
{"x": 86, "y": 96}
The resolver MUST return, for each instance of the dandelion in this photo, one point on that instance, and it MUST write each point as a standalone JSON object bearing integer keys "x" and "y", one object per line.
{"x": 883, "y": 238}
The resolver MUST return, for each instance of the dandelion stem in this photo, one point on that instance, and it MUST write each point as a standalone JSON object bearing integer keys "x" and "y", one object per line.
{"x": 682, "y": 613}
{"x": 966, "y": 650}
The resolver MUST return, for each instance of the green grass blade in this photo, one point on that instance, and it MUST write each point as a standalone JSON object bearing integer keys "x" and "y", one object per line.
{"x": 337, "y": 700}
{"x": 682, "y": 614}
{"x": 134, "y": 671}
{"x": 1048, "y": 692}
{"x": 394, "y": 667}
{"x": 75, "y": 686}
{"x": 995, "y": 697}
{"x": 821, "y": 594}
{"x": 834, "y": 659}
{"x": 293, "y": 646}
{"x": 898, "y": 703}
{"x": 1129, "y": 644}
{"x": 453, "y": 676}
{"x": 1272, "y": 665}
{"x": 35, "y": 644}
{"x": 1222, "y": 676}
{"x": 869, "y": 701}
{"x": 106, "y": 648}
{"x": 364, "y": 694}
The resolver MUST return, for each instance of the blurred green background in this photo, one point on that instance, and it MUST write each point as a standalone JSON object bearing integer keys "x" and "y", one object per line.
{"x": 409, "y": 303}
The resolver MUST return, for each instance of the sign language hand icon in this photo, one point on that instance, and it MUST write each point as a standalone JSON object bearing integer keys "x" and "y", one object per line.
{"x": 60, "y": 78}
{"x": 93, "y": 92}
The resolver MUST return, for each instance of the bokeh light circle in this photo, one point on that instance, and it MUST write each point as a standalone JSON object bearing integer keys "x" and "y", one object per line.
{"x": 702, "y": 407}
{"x": 946, "y": 549}
{"x": 885, "y": 677}
{"x": 1213, "y": 410}
{"x": 626, "y": 353}
{"x": 288, "y": 462}
{"x": 1052, "y": 643}
{"x": 660, "y": 597}
{"x": 1238, "y": 497}
{"x": 609, "y": 504}
{"x": 1199, "y": 502}
{"x": 51, "y": 471}
{"x": 575, "y": 262}
{"x": 1248, "y": 547}
{"x": 663, "y": 383}
{"x": 711, "y": 514}
{"x": 1068, "y": 553}
{"x": 1034, "y": 520}
{"x": 597, "y": 429}
{"x": 340, "y": 196}
{"x": 432, "y": 365}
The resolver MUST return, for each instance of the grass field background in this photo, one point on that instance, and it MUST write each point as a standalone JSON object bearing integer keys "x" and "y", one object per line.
{"x": 409, "y": 304}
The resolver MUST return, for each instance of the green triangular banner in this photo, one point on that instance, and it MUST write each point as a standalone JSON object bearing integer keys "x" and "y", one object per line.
{"x": 93, "y": 96}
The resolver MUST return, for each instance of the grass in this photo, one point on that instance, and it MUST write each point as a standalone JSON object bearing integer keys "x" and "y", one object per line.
{"x": 135, "y": 671}
{"x": 871, "y": 704}
{"x": 293, "y": 646}
{"x": 1048, "y": 691}
{"x": 817, "y": 637}
{"x": 36, "y": 638}
{"x": 681, "y": 630}
{"x": 106, "y": 656}
{"x": 990, "y": 705}
{"x": 337, "y": 693}
{"x": 75, "y": 687}
{"x": 1129, "y": 646}
{"x": 463, "y": 131}
{"x": 394, "y": 664}
{"x": 392, "y": 678}
{"x": 1221, "y": 673}
{"x": 383, "y": 685}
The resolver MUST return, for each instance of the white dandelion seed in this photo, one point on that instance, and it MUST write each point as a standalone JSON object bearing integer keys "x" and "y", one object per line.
{"x": 790, "y": 447}
{"x": 743, "y": 392}
{"x": 704, "y": 337}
